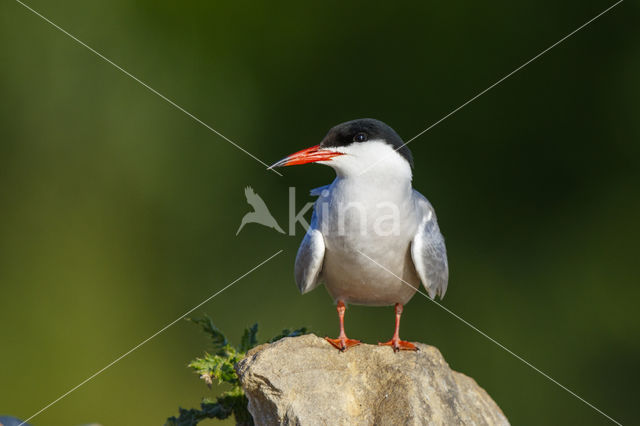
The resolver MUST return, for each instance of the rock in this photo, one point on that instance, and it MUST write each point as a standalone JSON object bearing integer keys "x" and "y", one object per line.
{"x": 305, "y": 381}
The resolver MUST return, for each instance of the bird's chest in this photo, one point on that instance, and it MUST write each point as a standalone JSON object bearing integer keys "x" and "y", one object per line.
{"x": 356, "y": 215}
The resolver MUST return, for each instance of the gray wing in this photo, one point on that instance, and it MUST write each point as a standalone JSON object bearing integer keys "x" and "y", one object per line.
{"x": 309, "y": 259}
{"x": 428, "y": 251}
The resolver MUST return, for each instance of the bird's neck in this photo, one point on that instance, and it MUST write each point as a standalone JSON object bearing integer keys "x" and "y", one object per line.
{"x": 395, "y": 176}
{"x": 389, "y": 185}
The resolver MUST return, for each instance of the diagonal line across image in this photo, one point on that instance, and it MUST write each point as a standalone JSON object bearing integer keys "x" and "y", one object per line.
{"x": 499, "y": 81}
{"x": 145, "y": 85}
{"x": 94, "y": 375}
{"x": 280, "y": 251}
{"x": 518, "y": 357}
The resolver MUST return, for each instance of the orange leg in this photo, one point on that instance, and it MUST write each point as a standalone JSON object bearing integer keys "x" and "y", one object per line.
{"x": 342, "y": 343}
{"x": 395, "y": 341}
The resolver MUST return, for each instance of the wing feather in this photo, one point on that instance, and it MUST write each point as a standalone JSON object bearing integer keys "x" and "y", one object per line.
{"x": 309, "y": 259}
{"x": 429, "y": 252}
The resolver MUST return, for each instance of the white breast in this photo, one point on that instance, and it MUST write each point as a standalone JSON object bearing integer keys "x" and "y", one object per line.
{"x": 375, "y": 214}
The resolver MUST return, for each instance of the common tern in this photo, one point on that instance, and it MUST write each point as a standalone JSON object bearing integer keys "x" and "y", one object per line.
{"x": 372, "y": 237}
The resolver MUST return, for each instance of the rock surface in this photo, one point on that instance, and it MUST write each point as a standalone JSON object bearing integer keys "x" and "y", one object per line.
{"x": 305, "y": 381}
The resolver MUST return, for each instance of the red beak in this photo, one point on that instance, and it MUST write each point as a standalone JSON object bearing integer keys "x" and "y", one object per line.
{"x": 309, "y": 155}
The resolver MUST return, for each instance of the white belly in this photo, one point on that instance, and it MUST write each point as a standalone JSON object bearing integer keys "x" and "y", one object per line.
{"x": 348, "y": 274}
{"x": 356, "y": 279}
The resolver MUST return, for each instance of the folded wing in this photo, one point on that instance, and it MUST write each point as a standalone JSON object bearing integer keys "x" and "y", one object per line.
{"x": 309, "y": 259}
{"x": 429, "y": 252}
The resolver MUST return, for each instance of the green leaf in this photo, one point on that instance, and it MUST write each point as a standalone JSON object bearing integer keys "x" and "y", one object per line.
{"x": 220, "y": 366}
{"x": 218, "y": 410}
{"x": 249, "y": 338}
{"x": 289, "y": 333}
{"x": 218, "y": 338}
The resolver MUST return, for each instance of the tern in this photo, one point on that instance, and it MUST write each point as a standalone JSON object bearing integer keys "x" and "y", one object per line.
{"x": 372, "y": 237}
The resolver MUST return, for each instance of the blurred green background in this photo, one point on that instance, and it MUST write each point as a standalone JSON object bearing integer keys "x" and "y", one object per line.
{"x": 118, "y": 212}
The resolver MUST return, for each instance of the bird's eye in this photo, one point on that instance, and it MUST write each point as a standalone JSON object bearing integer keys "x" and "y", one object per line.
{"x": 360, "y": 137}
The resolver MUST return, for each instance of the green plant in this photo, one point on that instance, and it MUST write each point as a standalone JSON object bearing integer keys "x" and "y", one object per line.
{"x": 219, "y": 365}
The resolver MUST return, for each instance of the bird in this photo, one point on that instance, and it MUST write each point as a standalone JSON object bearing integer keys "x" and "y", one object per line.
{"x": 261, "y": 213}
{"x": 372, "y": 238}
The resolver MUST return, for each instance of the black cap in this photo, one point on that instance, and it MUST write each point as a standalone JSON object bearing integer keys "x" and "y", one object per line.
{"x": 363, "y": 130}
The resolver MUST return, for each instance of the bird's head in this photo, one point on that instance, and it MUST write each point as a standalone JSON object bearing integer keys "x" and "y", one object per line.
{"x": 357, "y": 147}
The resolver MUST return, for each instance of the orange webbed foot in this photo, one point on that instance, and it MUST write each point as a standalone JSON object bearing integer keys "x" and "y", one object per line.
{"x": 400, "y": 345}
{"x": 343, "y": 343}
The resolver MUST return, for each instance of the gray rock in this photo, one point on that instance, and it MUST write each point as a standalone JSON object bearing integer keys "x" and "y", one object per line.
{"x": 305, "y": 381}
